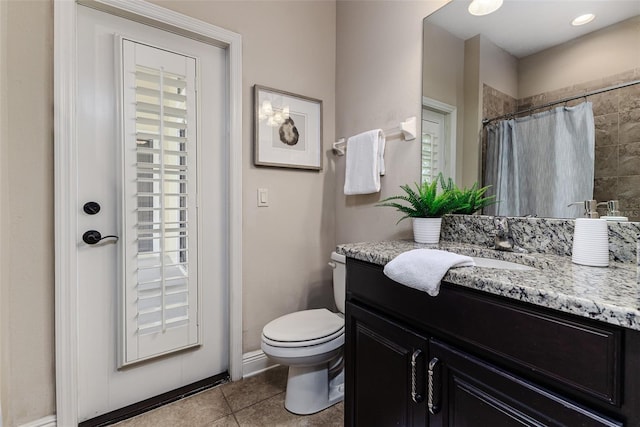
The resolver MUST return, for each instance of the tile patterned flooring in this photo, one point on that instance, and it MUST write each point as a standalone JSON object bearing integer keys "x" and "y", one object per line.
{"x": 255, "y": 401}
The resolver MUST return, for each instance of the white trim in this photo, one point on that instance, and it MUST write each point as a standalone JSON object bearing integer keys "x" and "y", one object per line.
{"x": 451, "y": 126}
{"x": 255, "y": 362}
{"x": 65, "y": 175}
{"x": 438, "y": 105}
{"x": 49, "y": 421}
{"x": 234, "y": 55}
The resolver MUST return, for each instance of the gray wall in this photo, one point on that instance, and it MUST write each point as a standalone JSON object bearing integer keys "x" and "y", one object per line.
{"x": 443, "y": 78}
{"x": 378, "y": 85}
{"x": 26, "y": 205}
{"x": 603, "y": 53}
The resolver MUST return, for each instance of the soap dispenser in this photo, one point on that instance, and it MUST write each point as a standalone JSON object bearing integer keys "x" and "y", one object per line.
{"x": 590, "y": 238}
{"x": 613, "y": 211}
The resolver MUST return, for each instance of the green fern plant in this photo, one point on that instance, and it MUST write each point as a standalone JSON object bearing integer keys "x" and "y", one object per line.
{"x": 470, "y": 200}
{"x": 424, "y": 201}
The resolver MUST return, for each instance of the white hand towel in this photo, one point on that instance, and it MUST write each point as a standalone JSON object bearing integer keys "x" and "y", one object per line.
{"x": 423, "y": 269}
{"x": 365, "y": 163}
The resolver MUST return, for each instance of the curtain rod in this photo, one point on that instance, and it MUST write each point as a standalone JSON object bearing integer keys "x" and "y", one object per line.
{"x": 560, "y": 101}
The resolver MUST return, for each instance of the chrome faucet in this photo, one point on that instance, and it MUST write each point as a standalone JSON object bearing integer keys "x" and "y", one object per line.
{"x": 503, "y": 240}
{"x": 590, "y": 208}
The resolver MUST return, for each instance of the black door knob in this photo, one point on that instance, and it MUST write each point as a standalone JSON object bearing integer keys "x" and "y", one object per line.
{"x": 92, "y": 237}
{"x": 91, "y": 208}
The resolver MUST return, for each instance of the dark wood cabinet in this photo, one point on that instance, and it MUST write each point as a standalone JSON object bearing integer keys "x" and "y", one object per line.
{"x": 388, "y": 378}
{"x": 470, "y": 359}
{"x": 475, "y": 393}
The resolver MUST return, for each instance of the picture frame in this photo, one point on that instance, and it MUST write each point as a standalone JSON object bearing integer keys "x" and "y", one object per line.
{"x": 288, "y": 129}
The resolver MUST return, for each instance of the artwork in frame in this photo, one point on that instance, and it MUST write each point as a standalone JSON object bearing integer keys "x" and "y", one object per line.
{"x": 288, "y": 129}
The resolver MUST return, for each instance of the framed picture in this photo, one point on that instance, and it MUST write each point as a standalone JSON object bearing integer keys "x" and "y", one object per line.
{"x": 288, "y": 129}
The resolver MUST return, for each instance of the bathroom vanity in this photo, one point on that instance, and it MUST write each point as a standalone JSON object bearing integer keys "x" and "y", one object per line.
{"x": 556, "y": 346}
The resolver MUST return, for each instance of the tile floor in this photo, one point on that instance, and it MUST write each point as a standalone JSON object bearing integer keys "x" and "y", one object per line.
{"x": 255, "y": 401}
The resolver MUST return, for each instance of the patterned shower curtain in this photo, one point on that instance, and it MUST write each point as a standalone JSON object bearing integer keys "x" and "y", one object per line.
{"x": 539, "y": 164}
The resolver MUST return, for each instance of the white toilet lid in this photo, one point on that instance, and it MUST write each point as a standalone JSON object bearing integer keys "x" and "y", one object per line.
{"x": 303, "y": 326}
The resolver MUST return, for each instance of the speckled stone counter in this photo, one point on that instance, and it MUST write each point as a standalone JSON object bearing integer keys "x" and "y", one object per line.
{"x": 611, "y": 295}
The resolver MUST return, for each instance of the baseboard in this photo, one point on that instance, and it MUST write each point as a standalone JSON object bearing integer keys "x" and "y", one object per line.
{"x": 254, "y": 362}
{"x": 49, "y": 421}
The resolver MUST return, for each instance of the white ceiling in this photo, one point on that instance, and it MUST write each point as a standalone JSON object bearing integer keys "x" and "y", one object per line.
{"x": 523, "y": 27}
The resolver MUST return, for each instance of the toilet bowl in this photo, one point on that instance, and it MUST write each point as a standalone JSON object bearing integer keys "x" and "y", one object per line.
{"x": 310, "y": 342}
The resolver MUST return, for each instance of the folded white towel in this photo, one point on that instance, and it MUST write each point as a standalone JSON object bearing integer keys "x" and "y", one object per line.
{"x": 423, "y": 269}
{"x": 365, "y": 163}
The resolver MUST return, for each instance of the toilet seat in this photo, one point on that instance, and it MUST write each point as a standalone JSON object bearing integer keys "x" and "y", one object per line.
{"x": 303, "y": 328}
{"x": 307, "y": 343}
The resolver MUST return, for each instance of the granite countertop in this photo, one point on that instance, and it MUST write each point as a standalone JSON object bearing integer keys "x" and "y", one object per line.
{"x": 611, "y": 295}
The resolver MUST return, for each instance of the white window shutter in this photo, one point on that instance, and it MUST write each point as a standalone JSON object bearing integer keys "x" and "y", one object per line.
{"x": 432, "y": 145}
{"x": 159, "y": 194}
{"x": 430, "y": 150}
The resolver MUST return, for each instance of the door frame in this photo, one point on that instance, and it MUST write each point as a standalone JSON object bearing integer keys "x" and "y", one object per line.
{"x": 65, "y": 179}
{"x": 450, "y": 127}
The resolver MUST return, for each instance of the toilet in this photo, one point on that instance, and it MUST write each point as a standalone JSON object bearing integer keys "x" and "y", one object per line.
{"x": 310, "y": 343}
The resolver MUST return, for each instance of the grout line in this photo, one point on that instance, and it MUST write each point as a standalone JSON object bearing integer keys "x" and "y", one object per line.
{"x": 255, "y": 378}
{"x": 208, "y": 423}
{"x": 233, "y": 414}
{"x": 227, "y": 402}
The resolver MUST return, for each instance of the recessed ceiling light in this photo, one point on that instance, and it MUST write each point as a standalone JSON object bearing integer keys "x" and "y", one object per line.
{"x": 484, "y": 7}
{"x": 583, "y": 19}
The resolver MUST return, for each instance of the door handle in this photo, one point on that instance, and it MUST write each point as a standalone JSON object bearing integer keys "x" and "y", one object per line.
{"x": 92, "y": 237}
{"x": 433, "y": 392}
{"x": 416, "y": 396}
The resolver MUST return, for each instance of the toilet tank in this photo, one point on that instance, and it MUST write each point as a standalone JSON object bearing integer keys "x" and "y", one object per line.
{"x": 338, "y": 263}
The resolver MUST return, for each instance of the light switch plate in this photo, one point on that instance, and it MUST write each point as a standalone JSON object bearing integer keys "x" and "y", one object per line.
{"x": 263, "y": 197}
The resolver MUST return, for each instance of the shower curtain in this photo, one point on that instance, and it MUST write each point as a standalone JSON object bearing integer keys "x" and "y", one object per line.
{"x": 539, "y": 164}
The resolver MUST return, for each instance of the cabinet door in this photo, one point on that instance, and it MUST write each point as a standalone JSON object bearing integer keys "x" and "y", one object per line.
{"x": 385, "y": 372}
{"x": 467, "y": 392}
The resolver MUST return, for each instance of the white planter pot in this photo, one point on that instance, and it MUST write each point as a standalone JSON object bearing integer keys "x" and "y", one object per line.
{"x": 426, "y": 230}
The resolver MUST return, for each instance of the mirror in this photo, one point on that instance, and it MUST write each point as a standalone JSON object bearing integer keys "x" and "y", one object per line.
{"x": 524, "y": 55}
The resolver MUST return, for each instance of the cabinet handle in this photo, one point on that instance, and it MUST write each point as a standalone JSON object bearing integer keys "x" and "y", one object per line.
{"x": 415, "y": 396}
{"x": 433, "y": 398}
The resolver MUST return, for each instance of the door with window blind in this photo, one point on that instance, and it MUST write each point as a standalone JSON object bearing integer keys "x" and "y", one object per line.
{"x": 433, "y": 139}
{"x": 153, "y": 313}
{"x": 159, "y": 215}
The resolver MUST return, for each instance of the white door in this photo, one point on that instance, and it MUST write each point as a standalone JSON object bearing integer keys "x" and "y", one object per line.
{"x": 433, "y": 138}
{"x": 151, "y": 124}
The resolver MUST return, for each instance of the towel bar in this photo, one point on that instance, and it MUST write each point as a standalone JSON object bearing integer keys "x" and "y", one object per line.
{"x": 407, "y": 129}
